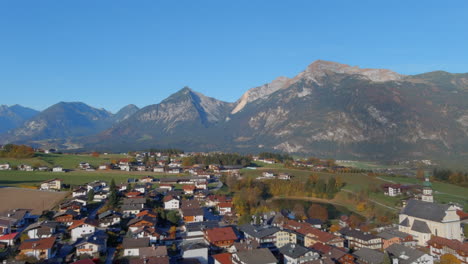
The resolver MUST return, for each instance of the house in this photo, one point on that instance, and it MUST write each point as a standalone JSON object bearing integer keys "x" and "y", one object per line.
{"x": 80, "y": 191}
{"x": 5, "y": 166}
{"x": 307, "y": 235}
{"x": 103, "y": 167}
{"x": 295, "y": 254}
{"x": 42, "y": 229}
{"x": 189, "y": 189}
{"x": 264, "y": 235}
{"x": 158, "y": 169}
{"x": 195, "y": 250}
{"x": 6, "y": 224}
{"x": 174, "y": 170}
{"x": 425, "y": 219}
{"x": 43, "y": 168}
{"x": 159, "y": 252}
{"x": 57, "y": 169}
{"x": 15, "y": 218}
{"x": 109, "y": 218}
{"x": 142, "y": 221}
{"x": 100, "y": 196}
{"x": 268, "y": 174}
{"x": 92, "y": 245}
{"x": 284, "y": 176}
{"x": 71, "y": 205}
{"x": 369, "y": 256}
{"x": 224, "y": 208}
{"x": 357, "y": 239}
{"x": 67, "y": 217}
{"x": 147, "y": 179}
{"x": 333, "y": 254}
{"x": 195, "y": 230}
{"x": 405, "y": 255}
{"x": 154, "y": 234}
{"x": 25, "y": 167}
{"x": 82, "y": 228}
{"x": 52, "y": 184}
{"x": 38, "y": 248}
{"x": 132, "y": 206}
{"x": 439, "y": 246}
{"x": 167, "y": 186}
{"x": 170, "y": 202}
{"x": 222, "y": 258}
{"x": 97, "y": 186}
{"x": 392, "y": 236}
{"x": 9, "y": 239}
{"x": 257, "y": 256}
{"x": 84, "y": 165}
{"x": 392, "y": 189}
{"x": 131, "y": 246}
{"x": 222, "y": 237}
{"x": 190, "y": 215}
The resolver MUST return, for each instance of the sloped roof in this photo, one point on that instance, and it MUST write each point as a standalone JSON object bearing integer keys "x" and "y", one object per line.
{"x": 426, "y": 210}
{"x": 44, "y": 243}
{"x": 258, "y": 231}
{"x": 398, "y": 250}
{"x": 223, "y": 258}
{"x": 135, "y": 242}
{"x": 293, "y": 250}
{"x": 369, "y": 256}
{"x": 221, "y": 234}
{"x": 420, "y": 226}
{"x": 257, "y": 256}
{"x": 405, "y": 222}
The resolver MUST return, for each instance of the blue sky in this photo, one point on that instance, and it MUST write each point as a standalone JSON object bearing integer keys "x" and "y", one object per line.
{"x": 110, "y": 53}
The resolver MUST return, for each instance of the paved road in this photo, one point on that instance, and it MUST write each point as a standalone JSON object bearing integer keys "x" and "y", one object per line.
{"x": 110, "y": 255}
{"x": 215, "y": 189}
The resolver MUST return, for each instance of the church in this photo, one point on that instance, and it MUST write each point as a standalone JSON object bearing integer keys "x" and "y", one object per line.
{"x": 424, "y": 218}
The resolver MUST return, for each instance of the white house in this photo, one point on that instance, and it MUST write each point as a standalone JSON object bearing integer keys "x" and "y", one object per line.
{"x": 92, "y": 245}
{"x": 82, "y": 228}
{"x": 406, "y": 255}
{"x": 24, "y": 167}
{"x": 171, "y": 203}
{"x": 296, "y": 254}
{"x": 197, "y": 250}
{"x": 5, "y": 166}
{"x": 57, "y": 169}
{"x": 81, "y": 191}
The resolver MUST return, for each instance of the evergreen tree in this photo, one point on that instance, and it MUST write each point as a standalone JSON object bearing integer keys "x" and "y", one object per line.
{"x": 91, "y": 195}
{"x": 113, "y": 199}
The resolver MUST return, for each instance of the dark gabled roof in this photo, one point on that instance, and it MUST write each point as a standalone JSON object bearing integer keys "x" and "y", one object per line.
{"x": 192, "y": 211}
{"x": 365, "y": 236}
{"x": 369, "y": 256}
{"x": 405, "y": 222}
{"x": 293, "y": 250}
{"x": 258, "y": 231}
{"x": 398, "y": 250}
{"x": 199, "y": 226}
{"x": 389, "y": 234}
{"x": 421, "y": 227}
{"x": 257, "y": 256}
{"x": 134, "y": 201}
{"x": 135, "y": 242}
{"x": 426, "y": 210}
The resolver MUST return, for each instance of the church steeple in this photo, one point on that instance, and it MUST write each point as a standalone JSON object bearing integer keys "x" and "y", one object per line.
{"x": 427, "y": 189}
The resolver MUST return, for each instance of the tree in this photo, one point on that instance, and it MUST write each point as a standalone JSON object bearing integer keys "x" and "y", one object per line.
{"x": 172, "y": 232}
{"x": 299, "y": 212}
{"x": 318, "y": 211}
{"x": 113, "y": 199}
{"x": 91, "y": 195}
{"x": 173, "y": 217}
{"x": 361, "y": 206}
{"x": 334, "y": 228}
{"x": 386, "y": 259}
{"x": 449, "y": 259}
{"x": 420, "y": 174}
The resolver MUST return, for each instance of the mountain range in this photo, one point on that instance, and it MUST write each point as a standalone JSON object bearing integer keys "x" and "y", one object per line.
{"x": 329, "y": 110}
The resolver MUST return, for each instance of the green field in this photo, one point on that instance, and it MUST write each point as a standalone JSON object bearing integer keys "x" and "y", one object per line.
{"x": 67, "y": 161}
{"x": 444, "y": 192}
{"x": 34, "y": 178}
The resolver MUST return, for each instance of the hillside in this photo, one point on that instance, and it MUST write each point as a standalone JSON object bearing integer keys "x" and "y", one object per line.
{"x": 13, "y": 116}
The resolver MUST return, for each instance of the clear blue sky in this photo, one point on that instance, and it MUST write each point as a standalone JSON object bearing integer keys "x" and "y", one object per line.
{"x": 112, "y": 53}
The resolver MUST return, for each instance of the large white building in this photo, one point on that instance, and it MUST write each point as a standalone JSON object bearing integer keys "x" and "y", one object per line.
{"x": 423, "y": 219}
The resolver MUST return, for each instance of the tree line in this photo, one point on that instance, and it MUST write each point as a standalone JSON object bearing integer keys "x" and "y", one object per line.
{"x": 276, "y": 156}
{"x": 217, "y": 158}
{"x": 17, "y": 151}
{"x": 453, "y": 177}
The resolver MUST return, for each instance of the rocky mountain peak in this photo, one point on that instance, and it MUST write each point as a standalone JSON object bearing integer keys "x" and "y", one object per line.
{"x": 321, "y": 68}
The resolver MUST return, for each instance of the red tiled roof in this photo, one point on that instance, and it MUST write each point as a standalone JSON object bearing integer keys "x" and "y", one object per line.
{"x": 45, "y": 243}
{"x": 223, "y": 258}
{"x": 454, "y": 244}
{"x": 220, "y": 234}
{"x": 168, "y": 198}
{"x": 462, "y": 215}
{"x": 83, "y": 221}
{"x": 8, "y": 236}
{"x": 225, "y": 204}
{"x": 188, "y": 187}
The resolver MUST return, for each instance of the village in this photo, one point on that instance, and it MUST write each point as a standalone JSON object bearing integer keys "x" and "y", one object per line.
{"x": 184, "y": 218}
